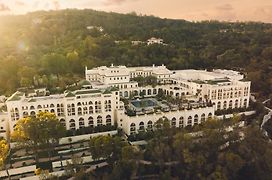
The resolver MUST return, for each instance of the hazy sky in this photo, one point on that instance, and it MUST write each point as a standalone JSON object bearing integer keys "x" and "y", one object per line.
{"x": 228, "y": 10}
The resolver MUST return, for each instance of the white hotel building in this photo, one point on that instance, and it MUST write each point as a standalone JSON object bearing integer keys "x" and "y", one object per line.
{"x": 101, "y": 104}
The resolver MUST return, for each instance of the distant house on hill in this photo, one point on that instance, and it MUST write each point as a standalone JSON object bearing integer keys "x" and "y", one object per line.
{"x": 99, "y": 28}
{"x": 154, "y": 40}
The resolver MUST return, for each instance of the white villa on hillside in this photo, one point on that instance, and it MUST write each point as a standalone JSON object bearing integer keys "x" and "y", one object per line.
{"x": 154, "y": 40}
{"x": 101, "y": 102}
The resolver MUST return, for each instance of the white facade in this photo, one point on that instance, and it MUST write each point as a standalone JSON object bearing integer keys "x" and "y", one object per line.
{"x": 225, "y": 88}
{"x": 154, "y": 40}
{"x": 135, "y": 124}
{"x": 122, "y": 74}
{"x": 81, "y": 108}
{"x": 3, "y": 124}
{"x": 101, "y": 105}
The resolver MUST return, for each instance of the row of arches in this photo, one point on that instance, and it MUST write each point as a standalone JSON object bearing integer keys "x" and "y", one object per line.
{"x": 88, "y": 123}
{"x": 230, "y": 105}
{"x": 143, "y": 92}
{"x": 191, "y": 120}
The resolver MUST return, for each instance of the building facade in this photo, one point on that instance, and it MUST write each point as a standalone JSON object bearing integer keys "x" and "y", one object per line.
{"x": 81, "y": 108}
{"x": 101, "y": 102}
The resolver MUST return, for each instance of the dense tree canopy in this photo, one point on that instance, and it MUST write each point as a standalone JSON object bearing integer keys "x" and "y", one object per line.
{"x": 38, "y": 132}
{"x": 44, "y": 49}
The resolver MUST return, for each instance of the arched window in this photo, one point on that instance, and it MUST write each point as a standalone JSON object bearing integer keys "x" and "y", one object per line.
{"x": 97, "y": 106}
{"x": 90, "y": 103}
{"x": 72, "y": 124}
{"x": 236, "y": 103}
{"x": 245, "y": 102}
{"x": 99, "y": 120}
{"x": 219, "y": 105}
{"x": 90, "y": 109}
{"x": 174, "y": 122}
{"x": 230, "y": 104}
{"x": 136, "y": 93}
{"x": 39, "y": 107}
{"x": 52, "y": 105}
{"x": 154, "y": 91}
{"x": 209, "y": 115}
{"x": 125, "y": 94}
{"x": 149, "y": 125}
{"x": 181, "y": 121}
{"x": 62, "y": 121}
{"x": 52, "y": 110}
{"x": 85, "y": 110}
{"x": 144, "y": 92}
{"x": 108, "y": 120}
{"x": 203, "y": 117}
{"x": 132, "y": 128}
{"x": 81, "y": 123}
{"x": 189, "y": 121}
{"x": 79, "y": 111}
{"x": 91, "y": 121}
{"x": 25, "y": 114}
{"x": 32, "y": 113}
{"x": 32, "y": 107}
{"x": 149, "y": 91}
{"x": 141, "y": 126}
{"x": 78, "y": 104}
{"x": 196, "y": 119}
{"x": 225, "y": 105}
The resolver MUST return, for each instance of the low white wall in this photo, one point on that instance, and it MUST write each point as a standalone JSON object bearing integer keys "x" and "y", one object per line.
{"x": 17, "y": 171}
{"x": 56, "y": 164}
{"x": 247, "y": 113}
{"x": 65, "y": 140}
{"x": 137, "y": 143}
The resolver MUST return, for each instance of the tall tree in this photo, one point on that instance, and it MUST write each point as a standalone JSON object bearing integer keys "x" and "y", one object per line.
{"x": 38, "y": 132}
{"x": 4, "y": 152}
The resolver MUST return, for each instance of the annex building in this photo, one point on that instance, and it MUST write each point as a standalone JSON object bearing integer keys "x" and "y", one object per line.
{"x": 113, "y": 96}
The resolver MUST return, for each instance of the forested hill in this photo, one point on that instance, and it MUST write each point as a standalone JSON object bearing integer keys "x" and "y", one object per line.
{"x": 50, "y": 49}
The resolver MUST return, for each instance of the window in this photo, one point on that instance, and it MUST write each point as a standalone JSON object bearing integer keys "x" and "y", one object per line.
{"x": 230, "y": 104}
{"x": 91, "y": 122}
{"x": 189, "y": 121}
{"x": 173, "y": 122}
{"x": 181, "y": 121}
{"x": 85, "y": 110}
{"x": 195, "y": 119}
{"x": 132, "y": 128}
{"x": 72, "y": 124}
{"x": 225, "y": 105}
{"x": 219, "y": 105}
{"x": 99, "y": 121}
{"x": 149, "y": 125}
{"x": 98, "y": 107}
{"x": 90, "y": 109}
{"x": 81, "y": 123}
{"x": 62, "y": 121}
{"x": 141, "y": 126}
{"x": 203, "y": 117}
{"x": 236, "y": 103}
{"x": 79, "y": 111}
{"x": 108, "y": 120}
{"x": 245, "y": 102}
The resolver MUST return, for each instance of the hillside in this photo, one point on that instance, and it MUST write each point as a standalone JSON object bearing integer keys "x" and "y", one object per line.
{"x": 50, "y": 49}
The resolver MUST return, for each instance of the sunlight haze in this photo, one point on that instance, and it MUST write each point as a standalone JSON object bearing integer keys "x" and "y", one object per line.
{"x": 193, "y": 10}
